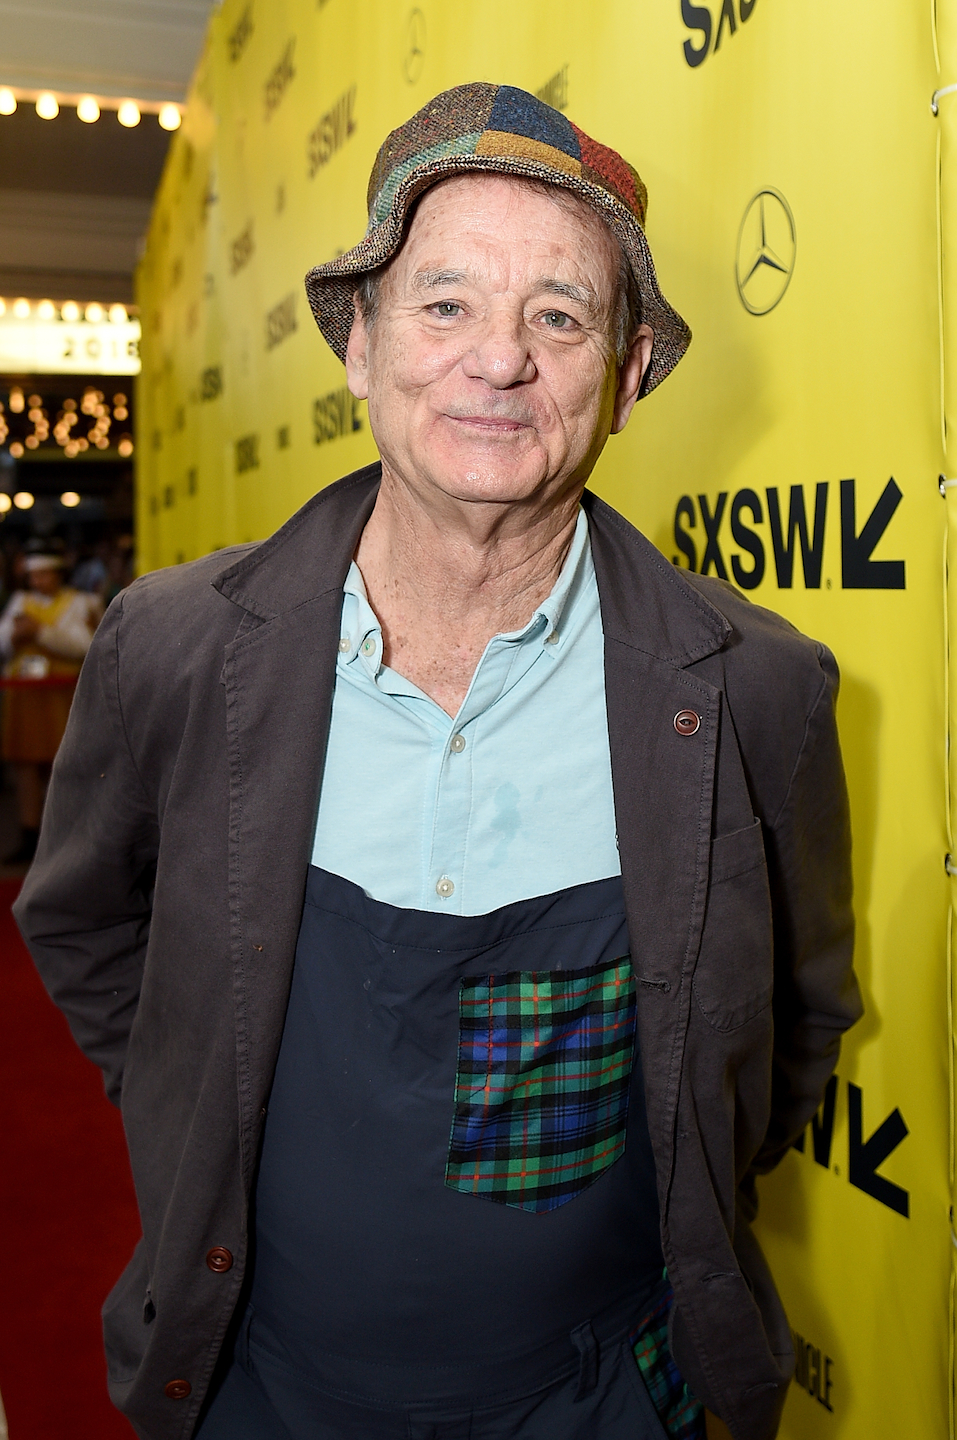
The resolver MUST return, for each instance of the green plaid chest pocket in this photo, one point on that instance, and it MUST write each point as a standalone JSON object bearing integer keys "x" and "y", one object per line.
{"x": 541, "y": 1089}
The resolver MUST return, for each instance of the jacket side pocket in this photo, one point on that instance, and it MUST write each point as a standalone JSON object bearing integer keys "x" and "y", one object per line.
{"x": 735, "y": 972}
{"x": 124, "y": 1333}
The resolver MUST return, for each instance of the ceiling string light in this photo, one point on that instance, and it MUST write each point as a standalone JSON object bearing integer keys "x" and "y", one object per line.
{"x": 69, "y": 311}
{"x": 89, "y": 108}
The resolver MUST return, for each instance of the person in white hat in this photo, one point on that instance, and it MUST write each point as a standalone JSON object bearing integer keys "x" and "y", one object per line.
{"x": 45, "y": 632}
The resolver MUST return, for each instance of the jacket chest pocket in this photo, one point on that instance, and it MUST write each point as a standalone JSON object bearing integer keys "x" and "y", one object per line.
{"x": 733, "y": 979}
{"x": 542, "y": 1083}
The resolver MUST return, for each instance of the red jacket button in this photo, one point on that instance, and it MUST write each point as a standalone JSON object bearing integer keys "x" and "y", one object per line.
{"x": 219, "y": 1259}
{"x": 177, "y": 1389}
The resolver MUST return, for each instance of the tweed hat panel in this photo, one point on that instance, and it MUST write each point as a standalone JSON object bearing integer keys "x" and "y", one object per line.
{"x": 605, "y": 166}
{"x": 450, "y": 117}
{"x": 496, "y": 129}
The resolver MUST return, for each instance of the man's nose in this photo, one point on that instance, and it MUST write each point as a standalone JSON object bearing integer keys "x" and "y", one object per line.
{"x": 500, "y": 353}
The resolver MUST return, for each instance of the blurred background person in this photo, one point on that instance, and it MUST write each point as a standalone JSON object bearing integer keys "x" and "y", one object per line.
{"x": 45, "y": 632}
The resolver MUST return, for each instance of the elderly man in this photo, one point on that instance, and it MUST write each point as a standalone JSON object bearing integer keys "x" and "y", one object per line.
{"x": 456, "y": 897}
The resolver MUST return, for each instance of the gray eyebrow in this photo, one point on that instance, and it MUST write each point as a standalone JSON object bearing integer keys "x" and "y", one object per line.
{"x": 564, "y": 289}
{"x": 568, "y": 291}
{"x": 436, "y": 279}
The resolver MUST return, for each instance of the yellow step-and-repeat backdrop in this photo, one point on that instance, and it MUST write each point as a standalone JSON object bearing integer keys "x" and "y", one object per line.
{"x": 802, "y": 196}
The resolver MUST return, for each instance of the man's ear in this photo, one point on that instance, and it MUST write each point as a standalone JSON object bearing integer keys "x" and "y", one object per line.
{"x": 357, "y": 354}
{"x": 630, "y": 376}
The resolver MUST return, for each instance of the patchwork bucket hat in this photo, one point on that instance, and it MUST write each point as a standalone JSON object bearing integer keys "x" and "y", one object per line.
{"x": 499, "y": 130}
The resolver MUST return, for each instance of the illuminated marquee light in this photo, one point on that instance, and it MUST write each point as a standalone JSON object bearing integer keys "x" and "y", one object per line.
{"x": 32, "y": 339}
{"x": 89, "y": 108}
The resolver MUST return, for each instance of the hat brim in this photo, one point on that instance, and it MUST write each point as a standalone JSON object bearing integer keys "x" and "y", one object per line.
{"x": 331, "y": 287}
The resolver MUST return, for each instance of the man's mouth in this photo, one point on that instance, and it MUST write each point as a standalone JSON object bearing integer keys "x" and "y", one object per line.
{"x": 492, "y": 424}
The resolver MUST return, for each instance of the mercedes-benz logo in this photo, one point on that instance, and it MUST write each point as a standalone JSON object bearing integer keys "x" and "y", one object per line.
{"x": 767, "y": 245}
{"x": 415, "y": 51}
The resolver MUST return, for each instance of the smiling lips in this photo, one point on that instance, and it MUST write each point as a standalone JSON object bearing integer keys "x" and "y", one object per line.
{"x": 492, "y": 424}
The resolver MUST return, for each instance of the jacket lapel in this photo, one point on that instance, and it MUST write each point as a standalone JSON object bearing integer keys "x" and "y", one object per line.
{"x": 279, "y": 675}
{"x": 655, "y": 626}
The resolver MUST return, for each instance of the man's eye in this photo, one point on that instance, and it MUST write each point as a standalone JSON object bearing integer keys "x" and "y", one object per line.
{"x": 447, "y": 308}
{"x": 557, "y": 319}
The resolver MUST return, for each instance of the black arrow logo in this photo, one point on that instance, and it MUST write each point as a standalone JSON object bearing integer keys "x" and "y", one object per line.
{"x": 864, "y": 1156}
{"x": 858, "y": 570}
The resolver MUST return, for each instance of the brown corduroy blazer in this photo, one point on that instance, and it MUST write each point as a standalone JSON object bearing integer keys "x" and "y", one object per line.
{"x": 164, "y": 904}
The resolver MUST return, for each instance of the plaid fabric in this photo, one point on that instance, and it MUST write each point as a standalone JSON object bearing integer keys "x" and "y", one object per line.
{"x": 499, "y": 130}
{"x": 541, "y": 1092}
{"x": 679, "y": 1412}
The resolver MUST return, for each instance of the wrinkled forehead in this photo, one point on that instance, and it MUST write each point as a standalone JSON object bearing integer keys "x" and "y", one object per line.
{"x": 527, "y": 221}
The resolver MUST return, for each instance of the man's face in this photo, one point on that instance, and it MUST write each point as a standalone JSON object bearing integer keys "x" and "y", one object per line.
{"x": 490, "y": 368}
{"x": 45, "y": 582}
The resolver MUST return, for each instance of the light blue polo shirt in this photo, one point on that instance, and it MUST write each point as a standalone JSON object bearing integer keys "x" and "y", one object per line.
{"x": 510, "y": 799}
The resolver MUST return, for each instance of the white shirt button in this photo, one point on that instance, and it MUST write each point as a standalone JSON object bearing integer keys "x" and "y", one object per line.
{"x": 552, "y": 639}
{"x": 457, "y": 744}
{"x": 345, "y": 645}
{"x": 368, "y": 646}
{"x": 444, "y": 887}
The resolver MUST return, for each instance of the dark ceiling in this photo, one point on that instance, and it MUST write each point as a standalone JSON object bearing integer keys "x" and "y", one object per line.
{"x": 66, "y": 155}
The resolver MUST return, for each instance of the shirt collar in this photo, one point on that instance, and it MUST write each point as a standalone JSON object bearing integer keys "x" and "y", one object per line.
{"x": 361, "y": 634}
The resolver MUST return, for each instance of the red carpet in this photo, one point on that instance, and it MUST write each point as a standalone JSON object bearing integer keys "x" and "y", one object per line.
{"x": 68, "y": 1220}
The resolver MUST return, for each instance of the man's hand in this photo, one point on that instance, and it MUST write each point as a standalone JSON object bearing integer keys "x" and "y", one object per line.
{"x": 24, "y": 629}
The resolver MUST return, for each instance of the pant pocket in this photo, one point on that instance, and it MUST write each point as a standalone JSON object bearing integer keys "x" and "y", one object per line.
{"x": 652, "y": 1424}
{"x": 541, "y": 1089}
{"x": 680, "y": 1416}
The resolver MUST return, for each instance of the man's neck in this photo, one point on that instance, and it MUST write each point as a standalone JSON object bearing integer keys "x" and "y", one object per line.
{"x": 443, "y": 580}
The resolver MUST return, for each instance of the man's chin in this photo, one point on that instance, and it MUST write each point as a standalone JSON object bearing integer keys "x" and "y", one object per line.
{"x": 474, "y": 475}
{"x": 493, "y": 489}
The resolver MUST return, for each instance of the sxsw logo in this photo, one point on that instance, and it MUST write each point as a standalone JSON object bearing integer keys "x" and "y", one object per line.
{"x": 864, "y": 1156}
{"x": 708, "y": 26}
{"x": 781, "y": 533}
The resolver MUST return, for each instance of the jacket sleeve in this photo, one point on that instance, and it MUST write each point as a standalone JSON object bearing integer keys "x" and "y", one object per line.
{"x": 84, "y": 908}
{"x": 816, "y": 996}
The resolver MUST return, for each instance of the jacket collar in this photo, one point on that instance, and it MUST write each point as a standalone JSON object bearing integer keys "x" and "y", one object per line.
{"x": 309, "y": 555}
{"x": 646, "y": 603}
